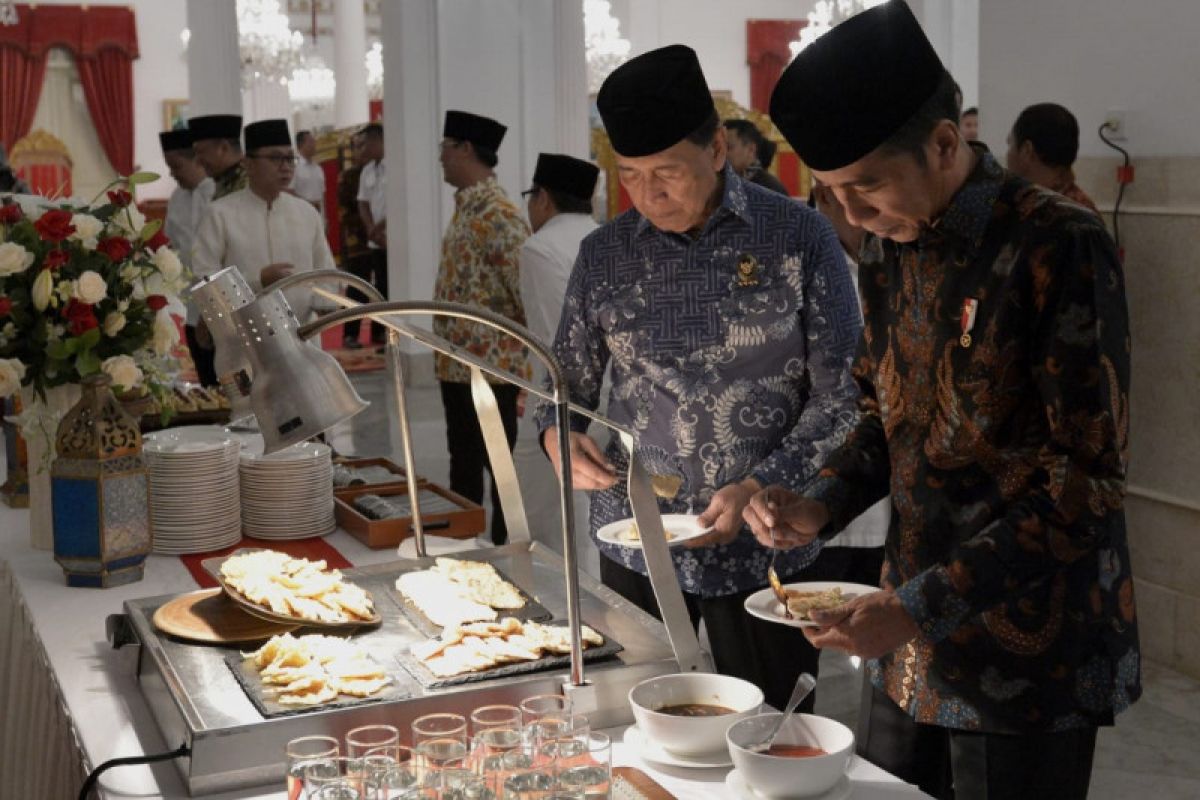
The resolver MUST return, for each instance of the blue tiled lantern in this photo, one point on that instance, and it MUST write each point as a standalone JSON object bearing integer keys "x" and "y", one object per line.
{"x": 99, "y": 491}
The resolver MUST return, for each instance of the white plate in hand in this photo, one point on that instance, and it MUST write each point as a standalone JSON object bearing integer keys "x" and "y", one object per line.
{"x": 765, "y": 605}
{"x": 678, "y": 527}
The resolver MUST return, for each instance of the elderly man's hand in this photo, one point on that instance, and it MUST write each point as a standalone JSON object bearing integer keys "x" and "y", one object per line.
{"x": 796, "y": 520}
{"x": 868, "y": 626}
{"x": 275, "y": 272}
{"x": 724, "y": 513}
{"x": 589, "y": 468}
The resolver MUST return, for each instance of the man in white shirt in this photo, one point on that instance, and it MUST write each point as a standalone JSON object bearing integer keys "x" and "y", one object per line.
{"x": 372, "y": 210}
{"x": 185, "y": 209}
{"x": 560, "y": 214}
{"x": 264, "y": 231}
{"x": 309, "y": 181}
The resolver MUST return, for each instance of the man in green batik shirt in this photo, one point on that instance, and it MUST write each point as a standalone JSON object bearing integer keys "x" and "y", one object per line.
{"x": 217, "y": 140}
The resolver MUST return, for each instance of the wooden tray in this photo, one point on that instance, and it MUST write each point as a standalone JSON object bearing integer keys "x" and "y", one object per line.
{"x": 213, "y": 567}
{"x": 639, "y": 785}
{"x": 209, "y": 616}
{"x": 379, "y": 533}
{"x": 401, "y": 477}
{"x": 532, "y": 611}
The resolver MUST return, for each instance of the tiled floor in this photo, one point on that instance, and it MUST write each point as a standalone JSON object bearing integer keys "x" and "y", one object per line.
{"x": 1150, "y": 753}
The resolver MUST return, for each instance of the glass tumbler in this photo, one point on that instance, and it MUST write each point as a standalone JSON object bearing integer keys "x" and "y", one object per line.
{"x": 299, "y": 753}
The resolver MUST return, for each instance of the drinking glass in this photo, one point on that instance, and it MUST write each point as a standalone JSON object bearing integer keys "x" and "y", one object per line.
{"x": 459, "y": 784}
{"x": 440, "y": 740}
{"x": 489, "y": 746}
{"x": 586, "y": 766}
{"x": 542, "y": 705}
{"x": 299, "y": 753}
{"x": 557, "y": 727}
{"x": 531, "y": 783}
{"x": 369, "y": 737}
{"x": 334, "y": 771}
{"x": 340, "y": 790}
{"x": 486, "y": 717}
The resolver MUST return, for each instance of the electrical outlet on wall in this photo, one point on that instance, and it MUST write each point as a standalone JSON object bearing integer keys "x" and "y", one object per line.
{"x": 1115, "y": 125}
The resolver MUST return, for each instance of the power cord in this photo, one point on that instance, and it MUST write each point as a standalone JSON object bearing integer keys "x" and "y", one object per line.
{"x": 90, "y": 783}
{"x": 1124, "y": 178}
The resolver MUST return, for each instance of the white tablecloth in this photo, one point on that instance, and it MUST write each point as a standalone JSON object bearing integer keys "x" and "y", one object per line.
{"x": 70, "y": 701}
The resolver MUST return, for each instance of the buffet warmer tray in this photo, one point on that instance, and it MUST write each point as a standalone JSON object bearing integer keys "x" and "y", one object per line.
{"x": 195, "y": 699}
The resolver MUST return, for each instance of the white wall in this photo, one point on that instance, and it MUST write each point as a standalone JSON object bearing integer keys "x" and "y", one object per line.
{"x": 1090, "y": 56}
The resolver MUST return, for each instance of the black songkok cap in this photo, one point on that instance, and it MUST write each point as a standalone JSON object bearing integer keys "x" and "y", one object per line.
{"x": 215, "y": 126}
{"x": 654, "y": 101}
{"x": 572, "y": 176}
{"x": 479, "y": 131}
{"x": 267, "y": 133}
{"x": 854, "y": 87}
{"x": 180, "y": 139}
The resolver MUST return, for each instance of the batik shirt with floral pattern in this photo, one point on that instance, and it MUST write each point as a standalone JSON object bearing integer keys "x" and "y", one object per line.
{"x": 722, "y": 373}
{"x": 1005, "y": 457}
{"x": 231, "y": 180}
{"x": 480, "y": 255}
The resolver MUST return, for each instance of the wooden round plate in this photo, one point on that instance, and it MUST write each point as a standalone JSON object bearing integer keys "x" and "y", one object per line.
{"x": 209, "y": 616}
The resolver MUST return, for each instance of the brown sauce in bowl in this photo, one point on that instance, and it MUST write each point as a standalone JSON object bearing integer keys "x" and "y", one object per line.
{"x": 695, "y": 710}
{"x": 795, "y": 751}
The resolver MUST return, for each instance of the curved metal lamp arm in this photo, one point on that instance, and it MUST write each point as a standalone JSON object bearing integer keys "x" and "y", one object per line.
{"x": 562, "y": 417}
{"x": 324, "y": 276}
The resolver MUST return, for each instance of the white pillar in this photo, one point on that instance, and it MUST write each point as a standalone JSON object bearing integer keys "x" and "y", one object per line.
{"x": 570, "y": 85}
{"x": 266, "y": 98}
{"x": 351, "y": 106}
{"x": 214, "y": 65}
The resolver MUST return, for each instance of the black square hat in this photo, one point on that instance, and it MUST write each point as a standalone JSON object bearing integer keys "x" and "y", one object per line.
{"x": 479, "y": 131}
{"x": 653, "y": 101}
{"x": 852, "y": 88}
{"x": 560, "y": 173}
{"x": 267, "y": 133}
{"x": 215, "y": 126}
{"x": 179, "y": 139}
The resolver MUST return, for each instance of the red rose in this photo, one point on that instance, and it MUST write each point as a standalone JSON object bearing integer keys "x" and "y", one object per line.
{"x": 156, "y": 301}
{"x": 120, "y": 197}
{"x": 5, "y": 306}
{"x": 54, "y": 226}
{"x": 117, "y": 248}
{"x": 10, "y": 214}
{"x": 159, "y": 239}
{"x": 81, "y": 317}
{"x": 55, "y": 259}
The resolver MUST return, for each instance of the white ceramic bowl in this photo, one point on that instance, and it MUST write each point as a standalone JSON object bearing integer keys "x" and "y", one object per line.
{"x": 692, "y": 736}
{"x": 791, "y": 776}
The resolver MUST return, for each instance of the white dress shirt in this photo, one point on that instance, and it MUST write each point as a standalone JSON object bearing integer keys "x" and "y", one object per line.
{"x": 242, "y": 230}
{"x": 372, "y": 190}
{"x": 309, "y": 182}
{"x": 185, "y": 210}
{"x": 546, "y": 261}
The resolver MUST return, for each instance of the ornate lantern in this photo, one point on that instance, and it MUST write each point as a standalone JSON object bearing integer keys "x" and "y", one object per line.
{"x": 100, "y": 494}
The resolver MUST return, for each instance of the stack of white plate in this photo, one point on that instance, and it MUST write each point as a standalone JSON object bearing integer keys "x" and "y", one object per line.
{"x": 289, "y": 494}
{"x": 194, "y": 500}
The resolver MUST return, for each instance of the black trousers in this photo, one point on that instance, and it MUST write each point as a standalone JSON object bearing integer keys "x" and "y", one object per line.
{"x": 202, "y": 357}
{"x": 768, "y": 655}
{"x": 370, "y": 267}
{"x": 468, "y": 455}
{"x": 965, "y": 765}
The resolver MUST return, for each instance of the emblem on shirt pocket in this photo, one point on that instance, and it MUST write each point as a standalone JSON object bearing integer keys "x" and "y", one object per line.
{"x": 747, "y": 270}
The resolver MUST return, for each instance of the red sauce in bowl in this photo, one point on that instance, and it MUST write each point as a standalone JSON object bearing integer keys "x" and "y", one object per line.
{"x": 795, "y": 751}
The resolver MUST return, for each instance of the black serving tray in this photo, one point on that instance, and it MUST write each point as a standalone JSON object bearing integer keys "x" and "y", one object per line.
{"x": 532, "y": 611}
{"x": 247, "y": 676}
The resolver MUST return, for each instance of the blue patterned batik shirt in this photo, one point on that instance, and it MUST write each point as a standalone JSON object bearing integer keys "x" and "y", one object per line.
{"x": 730, "y": 358}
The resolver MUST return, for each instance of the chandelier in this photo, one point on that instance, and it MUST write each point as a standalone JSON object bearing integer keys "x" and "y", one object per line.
{"x": 8, "y": 12}
{"x": 374, "y": 59}
{"x": 605, "y": 48}
{"x": 269, "y": 48}
{"x": 313, "y": 83}
{"x": 825, "y": 15}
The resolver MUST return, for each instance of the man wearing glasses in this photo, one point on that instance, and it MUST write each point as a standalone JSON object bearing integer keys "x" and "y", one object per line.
{"x": 262, "y": 229}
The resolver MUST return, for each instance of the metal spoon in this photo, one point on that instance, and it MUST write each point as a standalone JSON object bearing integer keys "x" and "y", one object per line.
{"x": 804, "y": 684}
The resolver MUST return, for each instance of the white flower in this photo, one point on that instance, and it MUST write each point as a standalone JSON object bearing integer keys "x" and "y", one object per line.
{"x": 123, "y": 306}
{"x": 168, "y": 263}
{"x": 129, "y": 272}
{"x": 87, "y": 230}
{"x": 155, "y": 284}
{"x": 65, "y": 290}
{"x": 114, "y": 321}
{"x": 123, "y": 370}
{"x": 43, "y": 286}
{"x": 90, "y": 288}
{"x": 130, "y": 221}
{"x": 14, "y": 258}
{"x": 12, "y": 372}
{"x": 166, "y": 332}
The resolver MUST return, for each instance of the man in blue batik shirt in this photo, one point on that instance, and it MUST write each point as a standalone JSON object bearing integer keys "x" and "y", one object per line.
{"x": 730, "y": 321}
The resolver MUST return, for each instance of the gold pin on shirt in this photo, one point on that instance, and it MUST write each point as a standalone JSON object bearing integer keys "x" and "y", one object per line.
{"x": 967, "y": 320}
{"x": 747, "y": 270}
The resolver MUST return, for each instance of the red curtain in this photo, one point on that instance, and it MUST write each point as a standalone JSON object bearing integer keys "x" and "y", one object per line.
{"x": 103, "y": 42}
{"x": 767, "y": 53}
{"x": 20, "y": 86}
{"x": 107, "y": 80}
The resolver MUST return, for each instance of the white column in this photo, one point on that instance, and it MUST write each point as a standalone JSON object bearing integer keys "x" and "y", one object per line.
{"x": 570, "y": 84}
{"x": 349, "y": 48}
{"x": 214, "y": 66}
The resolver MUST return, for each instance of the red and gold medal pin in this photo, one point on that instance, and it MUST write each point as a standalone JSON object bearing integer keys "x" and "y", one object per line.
{"x": 967, "y": 320}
